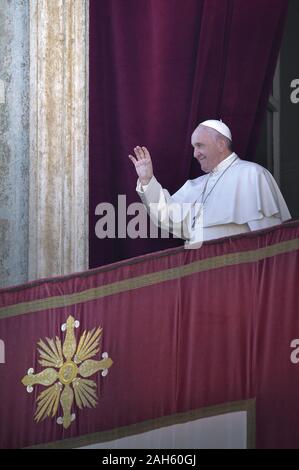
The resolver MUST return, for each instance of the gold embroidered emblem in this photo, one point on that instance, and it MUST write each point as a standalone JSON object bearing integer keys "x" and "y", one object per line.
{"x": 68, "y": 368}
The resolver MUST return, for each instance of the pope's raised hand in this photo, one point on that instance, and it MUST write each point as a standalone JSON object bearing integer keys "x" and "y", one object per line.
{"x": 143, "y": 164}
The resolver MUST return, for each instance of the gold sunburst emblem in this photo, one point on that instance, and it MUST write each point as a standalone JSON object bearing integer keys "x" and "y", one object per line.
{"x": 65, "y": 377}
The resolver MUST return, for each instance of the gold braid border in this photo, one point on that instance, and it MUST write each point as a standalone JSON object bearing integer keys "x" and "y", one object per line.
{"x": 150, "y": 279}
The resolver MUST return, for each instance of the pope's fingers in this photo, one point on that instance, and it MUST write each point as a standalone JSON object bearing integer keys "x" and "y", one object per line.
{"x": 146, "y": 152}
{"x": 137, "y": 153}
{"x": 140, "y": 152}
{"x": 132, "y": 159}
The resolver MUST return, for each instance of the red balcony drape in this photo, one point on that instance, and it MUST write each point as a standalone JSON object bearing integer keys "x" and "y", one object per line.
{"x": 185, "y": 329}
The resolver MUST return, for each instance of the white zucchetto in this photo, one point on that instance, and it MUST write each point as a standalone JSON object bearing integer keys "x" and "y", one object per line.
{"x": 218, "y": 126}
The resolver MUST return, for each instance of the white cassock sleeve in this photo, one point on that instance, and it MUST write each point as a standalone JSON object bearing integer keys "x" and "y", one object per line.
{"x": 171, "y": 213}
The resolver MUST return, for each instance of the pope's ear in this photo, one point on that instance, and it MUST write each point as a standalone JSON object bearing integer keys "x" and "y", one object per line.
{"x": 221, "y": 143}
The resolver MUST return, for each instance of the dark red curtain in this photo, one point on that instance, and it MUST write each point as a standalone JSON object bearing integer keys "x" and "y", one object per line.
{"x": 158, "y": 68}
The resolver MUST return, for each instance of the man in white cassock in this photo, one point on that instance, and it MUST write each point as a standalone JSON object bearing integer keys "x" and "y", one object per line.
{"x": 234, "y": 196}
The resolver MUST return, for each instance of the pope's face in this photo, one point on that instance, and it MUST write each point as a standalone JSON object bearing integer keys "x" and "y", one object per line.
{"x": 206, "y": 150}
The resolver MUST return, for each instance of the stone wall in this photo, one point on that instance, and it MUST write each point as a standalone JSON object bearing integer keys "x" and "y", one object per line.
{"x": 14, "y": 141}
{"x": 43, "y": 138}
{"x": 58, "y": 204}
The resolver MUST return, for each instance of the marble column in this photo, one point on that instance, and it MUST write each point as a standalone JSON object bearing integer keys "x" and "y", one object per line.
{"x": 14, "y": 141}
{"x": 58, "y": 196}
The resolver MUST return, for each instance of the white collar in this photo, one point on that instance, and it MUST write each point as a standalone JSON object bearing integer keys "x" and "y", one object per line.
{"x": 224, "y": 164}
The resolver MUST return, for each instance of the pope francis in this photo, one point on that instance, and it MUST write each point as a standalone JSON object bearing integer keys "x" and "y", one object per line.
{"x": 234, "y": 196}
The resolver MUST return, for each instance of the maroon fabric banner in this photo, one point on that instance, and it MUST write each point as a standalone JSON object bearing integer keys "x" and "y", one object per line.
{"x": 181, "y": 329}
{"x": 157, "y": 69}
